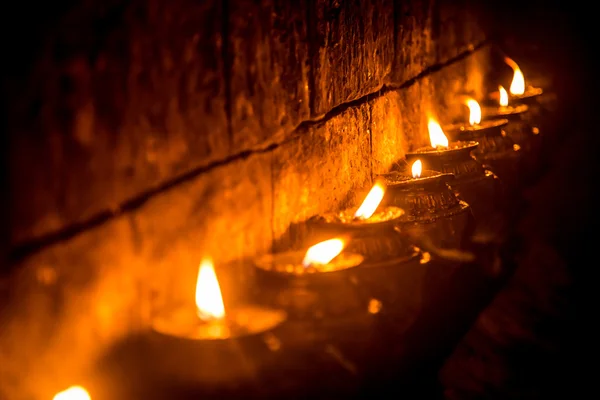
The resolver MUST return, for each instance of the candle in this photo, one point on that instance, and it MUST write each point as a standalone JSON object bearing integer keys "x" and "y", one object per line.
{"x": 447, "y": 157}
{"x": 520, "y": 93}
{"x": 197, "y": 350}
{"x": 525, "y": 135}
{"x": 209, "y": 321}
{"x": 371, "y": 228}
{"x": 495, "y": 149}
{"x": 479, "y": 130}
{"x": 477, "y": 186}
{"x": 504, "y": 110}
{"x": 430, "y": 205}
{"x": 310, "y": 284}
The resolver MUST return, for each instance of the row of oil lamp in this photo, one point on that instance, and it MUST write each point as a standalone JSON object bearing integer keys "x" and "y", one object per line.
{"x": 425, "y": 206}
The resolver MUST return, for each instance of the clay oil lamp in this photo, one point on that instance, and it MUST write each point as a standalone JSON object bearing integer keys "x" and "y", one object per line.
{"x": 192, "y": 350}
{"x": 371, "y": 228}
{"x": 393, "y": 271}
{"x": 519, "y": 92}
{"x": 430, "y": 205}
{"x": 496, "y": 149}
{"x": 521, "y": 131}
{"x": 209, "y": 320}
{"x": 503, "y": 110}
{"x": 311, "y": 284}
{"x": 476, "y": 185}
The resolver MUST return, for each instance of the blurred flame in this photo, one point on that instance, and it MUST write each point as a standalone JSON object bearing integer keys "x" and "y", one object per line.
{"x": 324, "y": 252}
{"x": 503, "y": 96}
{"x": 73, "y": 393}
{"x": 518, "y": 83}
{"x": 474, "y": 111}
{"x": 209, "y": 302}
{"x": 371, "y": 202}
{"x": 436, "y": 134}
{"x": 417, "y": 167}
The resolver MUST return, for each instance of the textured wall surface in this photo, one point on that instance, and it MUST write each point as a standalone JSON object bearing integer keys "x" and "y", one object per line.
{"x": 146, "y": 134}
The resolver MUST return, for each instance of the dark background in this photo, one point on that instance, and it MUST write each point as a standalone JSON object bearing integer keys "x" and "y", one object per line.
{"x": 557, "y": 39}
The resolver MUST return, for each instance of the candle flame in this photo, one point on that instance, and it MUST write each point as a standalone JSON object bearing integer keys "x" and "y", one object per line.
{"x": 417, "y": 168}
{"x": 209, "y": 301}
{"x": 322, "y": 253}
{"x": 371, "y": 202}
{"x": 436, "y": 134}
{"x": 474, "y": 111}
{"x": 503, "y": 96}
{"x": 73, "y": 393}
{"x": 518, "y": 83}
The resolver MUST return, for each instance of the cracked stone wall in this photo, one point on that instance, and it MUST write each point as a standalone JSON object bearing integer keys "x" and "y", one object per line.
{"x": 143, "y": 135}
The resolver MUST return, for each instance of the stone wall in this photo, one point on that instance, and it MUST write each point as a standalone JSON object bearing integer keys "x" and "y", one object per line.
{"x": 147, "y": 134}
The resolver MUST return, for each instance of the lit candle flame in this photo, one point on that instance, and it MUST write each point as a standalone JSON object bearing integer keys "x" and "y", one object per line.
{"x": 436, "y": 134}
{"x": 417, "y": 168}
{"x": 474, "y": 111}
{"x": 518, "y": 83}
{"x": 322, "y": 253}
{"x": 209, "y": 301}
{"x": 503, "y": 96}
{"x": 371, "y": 202}
{"x": 73, "y": 393}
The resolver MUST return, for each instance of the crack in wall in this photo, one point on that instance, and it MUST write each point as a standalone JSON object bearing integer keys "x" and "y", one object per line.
{"x": 25, "y": 249}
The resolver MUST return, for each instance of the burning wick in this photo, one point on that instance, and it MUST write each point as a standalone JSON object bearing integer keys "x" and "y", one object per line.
{"x": 371, "y": 202}
{"x": 436, "y": 135}
{"x": 503, "y": 96}
{"x": 209, "y": 301}
{"x": 517, "y": 86}
{"x": 417, "y": 167}
{"x": 474, "y": 111}
{"x": 73, "y": 393}
{"x": 322, "y": 253}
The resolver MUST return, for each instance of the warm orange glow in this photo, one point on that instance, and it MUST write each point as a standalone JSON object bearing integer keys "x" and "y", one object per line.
{"x": 371, "y": 202}
{"x": 436, "y": 134}
{"x": 518, "y": 83}
{"x": 73, "y": 393}
{"x": 417, "y": 168}
{"x": 209, "y": 302}
{"x": 474, "y": 111}
{"x": 322, "y": 253}
{"x": 503, "y": 96}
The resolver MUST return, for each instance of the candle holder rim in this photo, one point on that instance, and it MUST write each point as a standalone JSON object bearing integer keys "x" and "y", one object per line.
{"x": 461, "y": 206}
{"x": 433, "y": 177}
{"x": 468, "y": 145}
{"x": 485, "y": 124}
{"x": 334, "y": 220}
{"x": 530, "y": 91}
{"x": 346, "y": 260}
{"x": 201, "y": 331}
{"x": 415, "y": 253}
{"x": 509, "y": 110}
